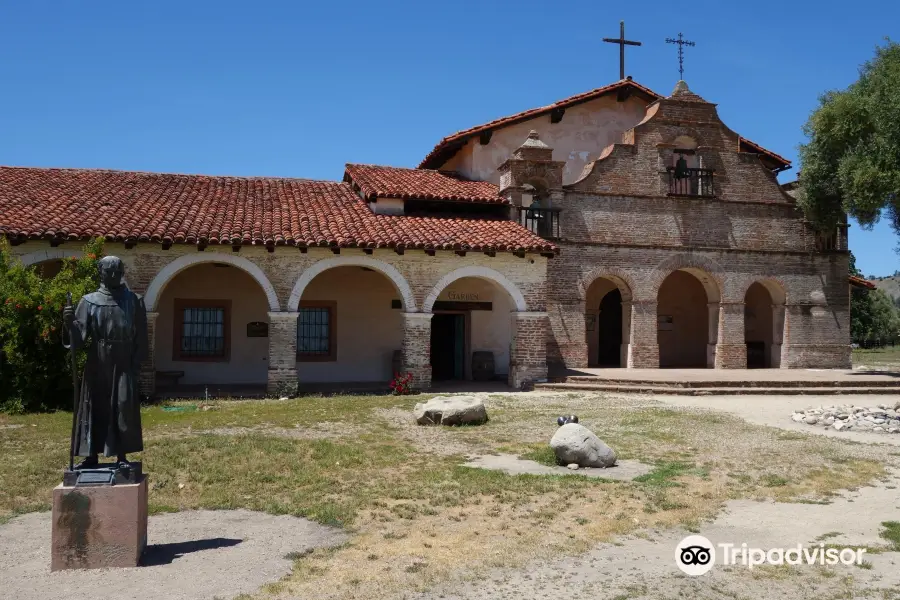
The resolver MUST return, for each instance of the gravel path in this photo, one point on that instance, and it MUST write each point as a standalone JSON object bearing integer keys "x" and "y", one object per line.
{"x": 194, "y": 555}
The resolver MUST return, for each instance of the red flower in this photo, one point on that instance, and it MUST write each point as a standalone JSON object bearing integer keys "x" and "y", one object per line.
{"x": 18, "y": 305}
{"x": 92, "y": 256}
{"x": 40, "y": 307}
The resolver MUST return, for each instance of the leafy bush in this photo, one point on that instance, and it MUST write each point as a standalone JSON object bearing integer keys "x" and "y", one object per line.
{"x": 35, "y": 369}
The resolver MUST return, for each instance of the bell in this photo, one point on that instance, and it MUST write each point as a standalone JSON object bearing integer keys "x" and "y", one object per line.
{"x": 681, "y": 168}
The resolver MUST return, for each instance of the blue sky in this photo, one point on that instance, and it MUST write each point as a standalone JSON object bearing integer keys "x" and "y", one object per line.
{"x": 297, "y": 89}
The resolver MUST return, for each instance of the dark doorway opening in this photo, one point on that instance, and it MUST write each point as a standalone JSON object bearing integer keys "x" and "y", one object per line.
{"x": 448, "y": 346}
{"x": 609, "y": 326}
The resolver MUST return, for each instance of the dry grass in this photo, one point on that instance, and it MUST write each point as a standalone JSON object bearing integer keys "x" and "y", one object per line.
{"x": 415, "y": 515}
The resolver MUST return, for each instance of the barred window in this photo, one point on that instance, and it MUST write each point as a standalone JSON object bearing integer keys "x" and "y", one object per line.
{"x": 202, "y": 330}
{"x": 316, "y": 328}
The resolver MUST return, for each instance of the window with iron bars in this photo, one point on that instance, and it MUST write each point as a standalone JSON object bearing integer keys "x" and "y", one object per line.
{"x": 316, "y": 331}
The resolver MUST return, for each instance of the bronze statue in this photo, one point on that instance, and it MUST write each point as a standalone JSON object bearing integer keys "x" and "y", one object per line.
{"x": 108, "y": 418}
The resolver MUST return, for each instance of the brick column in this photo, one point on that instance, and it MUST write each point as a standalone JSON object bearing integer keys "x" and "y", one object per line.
{"x": 416, "y": 350}
{"x": 731, "y": 351}
{"x": 626, "y": 333}
{"x": 643, "y": 352}
{"x": 147, "y": 377}
{"x": 713, "y": 315}
{"x": 778, "y": 321}
{"x": 282, "y": 376}
{"x": 566, "y": 339}
{"x": 527, "y": 349}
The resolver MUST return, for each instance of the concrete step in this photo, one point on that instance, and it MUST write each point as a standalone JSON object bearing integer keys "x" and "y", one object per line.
{"x": 893, "y": 382}
{"x": 717, "y": 391}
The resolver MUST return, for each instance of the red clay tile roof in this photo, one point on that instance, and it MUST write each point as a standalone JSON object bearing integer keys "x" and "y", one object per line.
{"x": 445, "y": 148}
{"x": 860, "y": 282}
{"x": 122, "y": 206}
{"x": 394, "y": 182}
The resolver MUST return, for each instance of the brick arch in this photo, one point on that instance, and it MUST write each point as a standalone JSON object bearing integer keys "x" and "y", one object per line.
{"x": 389, "y": 271}
{"x": 156, "y": 287}
{"x": 776, "y": 288}
{"x": 622, "y": 279}
{"x": 481, "y": 273}
{"x": 50, "y": 254}
{"x": 697, "y": 266}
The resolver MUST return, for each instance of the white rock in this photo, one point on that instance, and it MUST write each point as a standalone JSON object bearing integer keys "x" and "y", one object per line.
{"x": 893, "y": 429}
{"x": 838, "y": 425}
{"x": 575, "y": 443}
{"x": 811, "y": 420}
{"x": 573, "y": 466}
{"x": 878, "y": 429}
{"x": 451, "y": 410}
{"x": 828, "y": 421}
{"x": 797, "y": 417}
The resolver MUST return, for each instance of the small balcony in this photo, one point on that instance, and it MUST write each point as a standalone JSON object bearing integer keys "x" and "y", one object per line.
{"x": 833, "y": 241}
{"x": 694, "y": 182}
{"x": 541, "y": 221}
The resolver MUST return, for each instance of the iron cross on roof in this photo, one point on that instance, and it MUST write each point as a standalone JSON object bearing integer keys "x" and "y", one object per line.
{"x": 622, "y": 42}
{"x": 681, "y": 44}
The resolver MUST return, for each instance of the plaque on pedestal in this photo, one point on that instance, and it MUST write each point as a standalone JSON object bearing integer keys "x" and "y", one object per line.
{"x": 99, "y": 525}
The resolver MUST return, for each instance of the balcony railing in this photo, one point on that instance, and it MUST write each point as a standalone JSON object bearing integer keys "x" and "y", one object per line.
{"x": 696, "y": 182}
{"x": 541, "y": 221}
{"x": 834, "y": 241}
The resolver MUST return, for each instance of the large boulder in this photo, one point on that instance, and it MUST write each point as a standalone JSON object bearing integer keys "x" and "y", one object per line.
{"x": 451, "y": 410}
{"x": 574, "y": 443}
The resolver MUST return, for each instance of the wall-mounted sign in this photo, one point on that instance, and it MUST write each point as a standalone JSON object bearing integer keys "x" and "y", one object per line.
{"x": 257, "y": 329}
{"x": 462, "y": 296}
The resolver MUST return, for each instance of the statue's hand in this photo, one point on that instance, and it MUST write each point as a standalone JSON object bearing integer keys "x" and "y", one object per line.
{"x": 68, "y": 315}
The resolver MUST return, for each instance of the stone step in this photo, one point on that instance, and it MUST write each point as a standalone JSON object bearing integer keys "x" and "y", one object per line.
{"x": 718, "y": 383}
{"x": 717, "y": 391}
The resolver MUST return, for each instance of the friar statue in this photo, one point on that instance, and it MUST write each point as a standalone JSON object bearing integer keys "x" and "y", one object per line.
{"x": 112, "y": 322}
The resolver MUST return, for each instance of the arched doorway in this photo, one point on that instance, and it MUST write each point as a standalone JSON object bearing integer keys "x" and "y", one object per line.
{"x": 211, "y": 333}
{"x": 471, "y": 330}
{"x": 609, "y": 330}
{"x": 763, "y": 324}
{"x": 349, "y": 327}
{"x": 607, "y": 322}
{"x": 687, "y": 318}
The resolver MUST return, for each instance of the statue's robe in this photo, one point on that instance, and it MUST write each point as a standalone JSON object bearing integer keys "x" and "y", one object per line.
{"x": 109, "y": 410}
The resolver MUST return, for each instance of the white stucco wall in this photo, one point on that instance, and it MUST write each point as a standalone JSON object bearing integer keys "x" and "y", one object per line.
{"x": 248, "y": 359}
{"x": 488, "y": 330}
{"x": 585, "y": 130}
{"x": 368, "y": 329}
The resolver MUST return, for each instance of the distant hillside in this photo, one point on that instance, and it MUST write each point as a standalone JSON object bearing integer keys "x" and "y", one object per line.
{"x": 889, "y": 285}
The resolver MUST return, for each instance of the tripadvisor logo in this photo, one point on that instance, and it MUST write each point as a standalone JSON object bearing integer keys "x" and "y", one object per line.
{"x": 695, "y": 555}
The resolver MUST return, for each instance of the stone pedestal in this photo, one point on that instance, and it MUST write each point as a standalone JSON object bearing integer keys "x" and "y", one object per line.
{"x": 99, "y": 526}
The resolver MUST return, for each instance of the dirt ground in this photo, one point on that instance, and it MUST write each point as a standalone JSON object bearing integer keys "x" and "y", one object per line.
{"x": 417, "y": 524}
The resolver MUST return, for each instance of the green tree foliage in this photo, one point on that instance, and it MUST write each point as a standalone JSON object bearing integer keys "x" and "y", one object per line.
{"x": 35, "y": 369}
{"x": 873, "y": 315}
{"x": 851, "y": 163}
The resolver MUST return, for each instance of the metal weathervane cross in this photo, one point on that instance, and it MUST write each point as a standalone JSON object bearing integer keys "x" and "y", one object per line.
{"x": 681, "y": 44}
{"x": 622, "y": 42}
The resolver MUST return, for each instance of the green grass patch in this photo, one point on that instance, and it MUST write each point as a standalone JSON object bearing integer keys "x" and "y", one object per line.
{"x": 665, "y": 474}
{"x": 891, "y": 533}
{"x": 541, "y": 453}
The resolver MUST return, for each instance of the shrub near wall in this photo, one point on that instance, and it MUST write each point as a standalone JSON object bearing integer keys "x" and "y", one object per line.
{"x": 35, "y": 369}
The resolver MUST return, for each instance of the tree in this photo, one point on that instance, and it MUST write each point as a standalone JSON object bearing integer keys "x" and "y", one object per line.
{"x": 35, "y": 370}
{"x": 873, "y": 315}
{"x": 851, "y": 163}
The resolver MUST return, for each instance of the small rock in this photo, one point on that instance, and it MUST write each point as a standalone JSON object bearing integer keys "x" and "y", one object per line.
{"x": 897, "y": 406}
{"x": 573, "y": 466}
{"x": 893, "y": 429}
{"x": 797, "y": 417}
{"x": 451, "y": 410}
{"x": 811, "y": 420}
{"x": 828, "y": 421}
{"x": 878, "y": 429}
{"x": 838, "y": 425}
